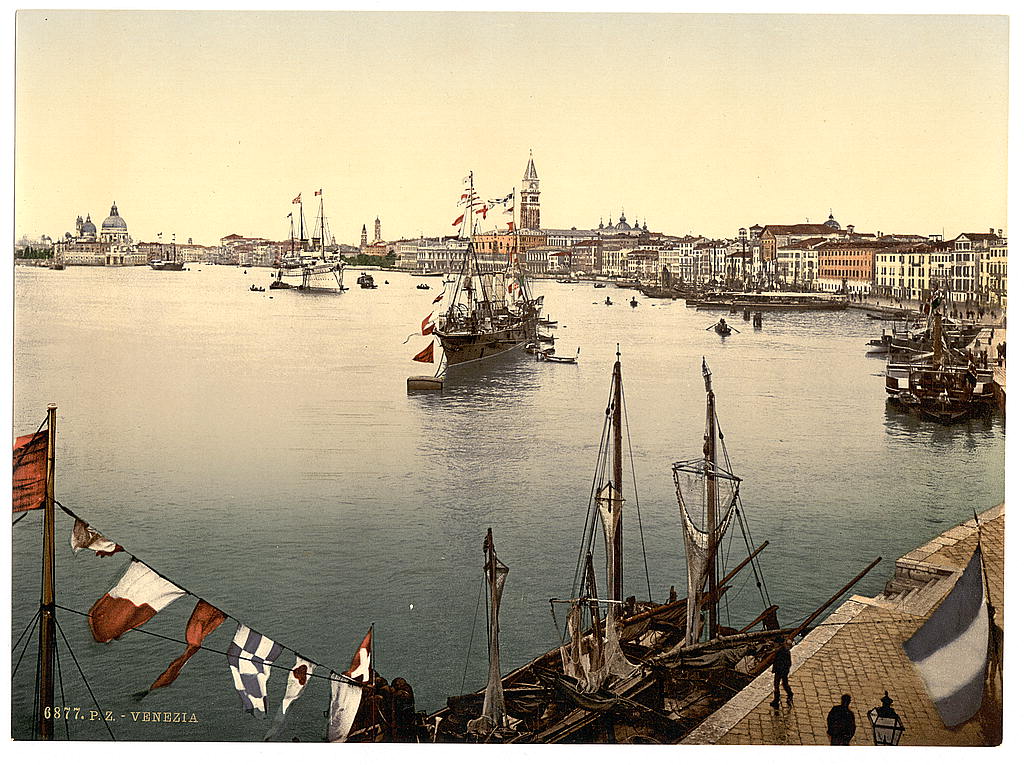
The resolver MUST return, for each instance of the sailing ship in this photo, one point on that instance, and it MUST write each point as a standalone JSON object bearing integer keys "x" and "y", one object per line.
{"x": 623, "y": 672}
{"x": 945, "y": 385}
{"x": 174, "y": 263}
{"x": 490, "y": 310}
{"x": 309, "y": 270}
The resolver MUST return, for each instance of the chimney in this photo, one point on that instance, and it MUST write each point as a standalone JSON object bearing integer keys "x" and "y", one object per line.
{"x": 1000, "y": 233}
{"x": 849, "y": 230}
{"x": 991, "y": 231}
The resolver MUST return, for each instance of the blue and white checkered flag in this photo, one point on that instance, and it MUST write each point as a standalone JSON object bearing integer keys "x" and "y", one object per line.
{"x": 249, "y": 656}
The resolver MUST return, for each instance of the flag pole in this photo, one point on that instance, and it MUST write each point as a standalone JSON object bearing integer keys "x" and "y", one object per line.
{"x": 47, "y": 642}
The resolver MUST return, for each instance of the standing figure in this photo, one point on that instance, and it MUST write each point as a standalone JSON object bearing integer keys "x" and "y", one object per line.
{"x": 841, "y": 722}
{"x": 781, "y": 665}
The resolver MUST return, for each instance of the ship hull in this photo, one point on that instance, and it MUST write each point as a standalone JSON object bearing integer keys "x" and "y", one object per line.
{"x": 467, "y": 347}
{"x": 167, "y": 266}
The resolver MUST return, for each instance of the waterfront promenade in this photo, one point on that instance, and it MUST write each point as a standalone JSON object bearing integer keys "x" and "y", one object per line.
{"x": 859, "y": 650}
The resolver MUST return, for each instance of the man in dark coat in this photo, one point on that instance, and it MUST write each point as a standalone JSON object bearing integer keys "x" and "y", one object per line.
{"x": 841, "y": 722}
{"x": 781, "y": 665}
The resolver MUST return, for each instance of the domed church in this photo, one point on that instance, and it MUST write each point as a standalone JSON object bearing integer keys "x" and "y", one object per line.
{"x": 114, "y": 229}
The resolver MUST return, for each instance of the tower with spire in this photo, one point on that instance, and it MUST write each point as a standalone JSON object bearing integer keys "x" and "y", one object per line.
{"x": 362, "y": 238}
{"x": 529, "y": 198}
{"x": 376, "y": 230}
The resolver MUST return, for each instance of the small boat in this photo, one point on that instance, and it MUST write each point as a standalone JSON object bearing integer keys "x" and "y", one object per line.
{"x": 608, "y": 301}
{"x": 254, "y": 288}
{"x": 423, "y": 286}
{"x": 548, "y": 322}
{"x": 723, "y": 328}
{"x": 558, "y": 359}
{"x": 633, "y": 303}
{"x": 534, "y": 348}
{"x": 365, "y": 281}
{"x": 545, "y": 338}
{"x": 566, "y": 281}
{"x": 599, "y": 285}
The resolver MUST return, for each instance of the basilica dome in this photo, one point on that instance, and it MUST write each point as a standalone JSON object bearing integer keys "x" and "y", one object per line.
{"x": 88, "y": 227}
{"x": 114, "y": 223}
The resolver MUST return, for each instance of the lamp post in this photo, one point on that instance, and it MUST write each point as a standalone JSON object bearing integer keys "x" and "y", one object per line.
{"x": 886, "y": 725}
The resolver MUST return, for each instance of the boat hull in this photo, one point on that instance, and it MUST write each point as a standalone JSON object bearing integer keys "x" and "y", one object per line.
{"x": 167, "y": 266}
{"x": 467, "y": 347}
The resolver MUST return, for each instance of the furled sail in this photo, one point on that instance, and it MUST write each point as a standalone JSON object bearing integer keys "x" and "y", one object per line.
{"x": 493, "y": 714}
{"x": 691, "y": 492}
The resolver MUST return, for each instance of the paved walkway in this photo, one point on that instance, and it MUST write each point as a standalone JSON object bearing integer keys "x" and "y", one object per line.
{"x": 859, "y": 650}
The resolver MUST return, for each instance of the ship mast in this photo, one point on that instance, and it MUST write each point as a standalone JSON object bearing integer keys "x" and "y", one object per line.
{"x": 615, "y": 593}
{"x": 47, "y": 636}
{"x": 710, "y": 468}
{"x": 494, "y": 701}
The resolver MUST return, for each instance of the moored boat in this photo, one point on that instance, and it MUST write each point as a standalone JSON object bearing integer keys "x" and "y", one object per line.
{"x": 772, "y": 301}
{"x": 490, "y": 310}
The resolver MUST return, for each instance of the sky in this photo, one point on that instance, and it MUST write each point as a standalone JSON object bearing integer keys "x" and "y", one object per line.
{"x": 207, "y": 124}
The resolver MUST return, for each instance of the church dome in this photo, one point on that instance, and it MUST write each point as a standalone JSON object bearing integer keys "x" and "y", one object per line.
{"x": 622, "y": 225}
{"x": 832, "y": 222}
{"x": 88, "y": 227}
{"x": 114, "y": 223}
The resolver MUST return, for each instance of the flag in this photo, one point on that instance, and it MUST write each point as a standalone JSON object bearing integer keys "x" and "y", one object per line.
{"x": 345, "y": 696}
{"x": 482, "y": 210}
{"x": 426, "y": 355}
{"x": 250, "y": 656}
{"x": 318, "y": 193}
{"x": 132, "y": 602}
{"x": 29, "y": 482}
{"x": 204, "y": 620}
{"x": 502, "y": 200}
{"x": 288, "y": 215}
{"x": 458, "y": 220}
{"x": 298, "y": 678}
{"x": 85, "y": 537}
{"x": 950, "y": 650}
{"x": 439, "y": 298}
{"x": 297, "y": 199}
{"x": 511, "y": 225}
{"x": 427, "y": 326}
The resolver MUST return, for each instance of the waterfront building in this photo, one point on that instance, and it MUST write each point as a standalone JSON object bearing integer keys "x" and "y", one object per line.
{"x": 443, "y": 254}
{"x": 993, "y": 275}
{"x": 963, "y": 276}
{"x": 846, "y": 265}
{"x": 797, "y": 263}
{"x": 110, "y": 246}
{"x": 903, "y": 270}
{"x": 771, "y": 237}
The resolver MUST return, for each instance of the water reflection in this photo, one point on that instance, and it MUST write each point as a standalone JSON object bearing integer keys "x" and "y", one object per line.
{"x": 901, "y": 422}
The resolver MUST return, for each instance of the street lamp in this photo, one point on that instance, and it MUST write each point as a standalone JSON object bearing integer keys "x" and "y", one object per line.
{"x": 886, "y": 725}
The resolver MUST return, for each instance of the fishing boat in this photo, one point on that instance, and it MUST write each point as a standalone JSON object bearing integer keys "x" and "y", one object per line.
{"x": 945, "y": 385}
{"x": 490, "y": 310}
{"x": 423, "y": 286}
{"x": 657, "y": 291}
{"x": 628, "y": 669}
{"x": 365, "y": 281}
{"x": 309, "y": 270}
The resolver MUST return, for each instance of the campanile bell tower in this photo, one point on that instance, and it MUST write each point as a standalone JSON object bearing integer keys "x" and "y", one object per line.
{"x": 529, "y": 198}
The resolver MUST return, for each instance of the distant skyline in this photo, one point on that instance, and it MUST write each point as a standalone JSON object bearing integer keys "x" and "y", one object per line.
{"x": 207, "y": 124}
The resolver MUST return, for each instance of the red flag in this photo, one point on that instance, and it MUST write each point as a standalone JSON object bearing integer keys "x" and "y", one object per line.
{"x": 427, "y": 326}
{"x": 511, "y": 225}
{"x": 360, "y": 667}
{"x": 204, "y": 620}
{"x": 297, "y": 199}
{"x": 131, "y": 602}
{"x": 458, "y": 220}
{"x": 317, "y": 193}
{"x": 29, "y": 484}
{"x": 439, "y": 298}
{"x": 426, "y": 355}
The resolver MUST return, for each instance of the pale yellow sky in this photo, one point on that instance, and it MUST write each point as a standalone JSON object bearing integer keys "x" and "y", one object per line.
{"x": 205, "y": 124}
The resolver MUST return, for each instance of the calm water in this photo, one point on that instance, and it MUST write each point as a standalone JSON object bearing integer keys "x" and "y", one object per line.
{"x": 261, "y": 451}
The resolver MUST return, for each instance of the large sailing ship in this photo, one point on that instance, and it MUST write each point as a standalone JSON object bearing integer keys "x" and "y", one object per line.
{"x": 490, "y": 308}
{"x": 309, "y": 269}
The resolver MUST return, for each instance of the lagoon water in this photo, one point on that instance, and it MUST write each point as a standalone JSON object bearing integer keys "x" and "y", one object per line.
{"x": 260, "y": 450}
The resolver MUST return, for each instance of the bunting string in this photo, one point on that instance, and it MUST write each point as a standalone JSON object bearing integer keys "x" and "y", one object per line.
{"x": 189, "y": 592}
